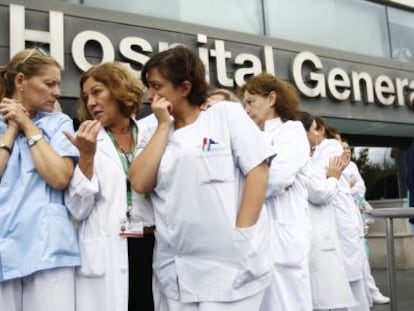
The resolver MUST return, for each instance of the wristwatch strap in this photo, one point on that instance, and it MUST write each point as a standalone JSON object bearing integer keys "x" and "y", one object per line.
{"x": 31, "y": 141}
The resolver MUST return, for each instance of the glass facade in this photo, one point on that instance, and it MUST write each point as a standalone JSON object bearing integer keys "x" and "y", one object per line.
{"x": 402, "y": 34}
{"x": 353, "y": 25}
{"x": 383, "y": 170}
{"x": 237, "y": 15}
{"x": 356, "y": 26}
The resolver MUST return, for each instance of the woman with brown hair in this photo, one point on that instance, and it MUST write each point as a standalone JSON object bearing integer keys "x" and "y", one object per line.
{"x": 348, "y": 222}
{"x": 326, "y": 265}
{"x": 274, "y": 106}
{"x": 116, "y": 227}
{"x": 206, "y": 174}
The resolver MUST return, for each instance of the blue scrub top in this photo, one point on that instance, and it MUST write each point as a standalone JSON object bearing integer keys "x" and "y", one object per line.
{"x": 36, "y": 232}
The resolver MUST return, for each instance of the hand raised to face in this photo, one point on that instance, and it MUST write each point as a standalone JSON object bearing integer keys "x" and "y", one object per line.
{"x": 162, "y": 109}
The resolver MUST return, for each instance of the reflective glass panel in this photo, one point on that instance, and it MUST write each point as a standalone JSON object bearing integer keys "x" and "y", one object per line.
{"x": 352, "y": 25}
{"x": 383, "y": 170}
{"x": 238, "y": 15}
{"x": 402, "y": 34}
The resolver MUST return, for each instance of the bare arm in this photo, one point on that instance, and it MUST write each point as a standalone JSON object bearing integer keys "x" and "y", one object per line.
{"x": 143, "y": 171}
{"x": 253, "y": 195}
{"x": 53, "y": 168}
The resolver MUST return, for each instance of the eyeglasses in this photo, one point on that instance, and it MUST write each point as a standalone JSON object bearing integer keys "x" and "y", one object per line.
{"x": 30, "y": 54}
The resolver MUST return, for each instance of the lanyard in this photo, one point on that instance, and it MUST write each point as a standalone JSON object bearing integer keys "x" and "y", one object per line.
{"x": 126, "y": 160}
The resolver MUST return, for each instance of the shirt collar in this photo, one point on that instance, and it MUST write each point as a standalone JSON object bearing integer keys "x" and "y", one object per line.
{"x": 272, "y": 124}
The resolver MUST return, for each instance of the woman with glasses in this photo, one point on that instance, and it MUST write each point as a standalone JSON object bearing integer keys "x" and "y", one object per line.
{"x": 38, "y": 246}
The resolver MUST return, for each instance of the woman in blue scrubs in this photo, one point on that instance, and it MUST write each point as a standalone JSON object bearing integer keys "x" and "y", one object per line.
{"x": 38, "y": 246}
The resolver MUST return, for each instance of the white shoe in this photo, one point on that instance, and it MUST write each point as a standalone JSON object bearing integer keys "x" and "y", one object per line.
{"x": 380, "y": 299}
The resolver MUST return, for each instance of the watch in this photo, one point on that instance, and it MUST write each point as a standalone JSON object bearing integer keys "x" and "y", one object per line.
{"x": 31, "y": 141}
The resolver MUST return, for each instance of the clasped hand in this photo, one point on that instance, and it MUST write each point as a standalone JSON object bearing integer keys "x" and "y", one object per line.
{"x": 13, "y": 112}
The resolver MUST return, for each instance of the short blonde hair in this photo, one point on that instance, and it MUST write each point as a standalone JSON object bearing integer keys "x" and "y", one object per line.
{"x": 30, "y": 62}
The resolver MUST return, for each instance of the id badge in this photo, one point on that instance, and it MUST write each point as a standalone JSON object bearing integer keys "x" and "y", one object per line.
{"x": 132, "y": 227}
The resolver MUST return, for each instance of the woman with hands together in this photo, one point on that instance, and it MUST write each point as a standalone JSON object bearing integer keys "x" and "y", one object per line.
{"x": 38, "y": 247}
{"x": 116, "y": 226}
{"x": 326, "y": 265}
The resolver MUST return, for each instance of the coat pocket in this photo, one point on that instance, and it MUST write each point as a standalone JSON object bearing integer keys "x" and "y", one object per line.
{"x": 93, "y": 257}
{"x": 290, "y": 245}
{"x": 253, "y": 263}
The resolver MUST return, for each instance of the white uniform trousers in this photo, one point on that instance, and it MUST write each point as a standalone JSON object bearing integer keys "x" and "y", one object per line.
{"x": 251, "y": 303}
{"x": 372, "y": 288}
{"x": 359, "y": 290}
{"x": 48, "y": 290}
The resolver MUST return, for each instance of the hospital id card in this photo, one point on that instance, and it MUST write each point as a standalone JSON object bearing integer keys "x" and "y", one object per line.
{"x": 132, "y": 228}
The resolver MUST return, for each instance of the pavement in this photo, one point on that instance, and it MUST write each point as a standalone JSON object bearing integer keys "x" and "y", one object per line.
{"x": 405, "y": 289}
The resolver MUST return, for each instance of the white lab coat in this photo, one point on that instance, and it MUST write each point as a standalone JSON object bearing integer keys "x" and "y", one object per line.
{"x": 348, "y": 221}
{"x": 330, "y": 286}
{"x": 99, "y": 204}
{"x": 351, "y": 172}
{"x": 287, "y": 204}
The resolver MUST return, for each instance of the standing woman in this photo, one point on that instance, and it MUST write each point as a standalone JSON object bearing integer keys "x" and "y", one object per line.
{"x": 349, "y": 227}
{"x": 207, "y": 184}
{"x": 326, "y": 265}
{"x": 38, "y": 247}
{"x": 274, "y": 106}
{"x": 116, "y": 228}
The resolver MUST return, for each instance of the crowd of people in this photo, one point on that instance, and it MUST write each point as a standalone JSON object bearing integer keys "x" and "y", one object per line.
{"x": 212, "y": 203}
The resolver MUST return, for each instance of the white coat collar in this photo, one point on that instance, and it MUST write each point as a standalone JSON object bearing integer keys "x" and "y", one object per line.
{"x": 107, "y": 146}
{"x": 272, "y": 124}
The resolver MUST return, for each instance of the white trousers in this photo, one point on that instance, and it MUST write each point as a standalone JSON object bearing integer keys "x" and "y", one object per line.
{"x": 359, "y": 290}
{"x": 48, "y": 290}
{"x": 247, "y": 304}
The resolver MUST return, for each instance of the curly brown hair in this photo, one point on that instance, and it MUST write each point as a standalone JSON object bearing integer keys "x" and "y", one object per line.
{"x": 123, "y": 83}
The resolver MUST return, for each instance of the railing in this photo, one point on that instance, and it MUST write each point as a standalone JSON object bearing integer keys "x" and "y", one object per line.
{"x": 389, "y": 214}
